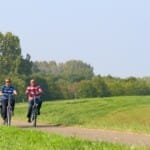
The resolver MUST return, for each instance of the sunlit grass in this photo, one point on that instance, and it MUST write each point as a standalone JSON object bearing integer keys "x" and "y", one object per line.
{"x": 128, "y": 113}
{"x": 12, "y": 138}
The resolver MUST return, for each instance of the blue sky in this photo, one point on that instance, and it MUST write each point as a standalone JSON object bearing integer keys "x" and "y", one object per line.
{"x": 113, "y": 36}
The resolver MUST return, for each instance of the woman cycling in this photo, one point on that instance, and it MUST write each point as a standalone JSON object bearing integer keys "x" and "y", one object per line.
{"x": 33, "y": 91}
{"x": 6, "y": 91}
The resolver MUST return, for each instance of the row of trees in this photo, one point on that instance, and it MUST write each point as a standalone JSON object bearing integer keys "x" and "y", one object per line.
{"x": 72, "y": 79}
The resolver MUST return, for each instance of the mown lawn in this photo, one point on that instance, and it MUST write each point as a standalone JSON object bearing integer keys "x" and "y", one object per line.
{"x": 125, "y": 113}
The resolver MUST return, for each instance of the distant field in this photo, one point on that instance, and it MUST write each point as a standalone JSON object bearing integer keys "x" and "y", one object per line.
{"x": 125, "y": 113}
{"x": 12, "y": 138}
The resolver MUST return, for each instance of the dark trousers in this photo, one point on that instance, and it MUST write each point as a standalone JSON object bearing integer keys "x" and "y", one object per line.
{"x": 30, "y": 104}
{"x": 4, "y": 107}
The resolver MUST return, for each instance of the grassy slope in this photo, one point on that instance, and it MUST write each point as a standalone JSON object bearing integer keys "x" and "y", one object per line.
{"x": 129, "y": 113}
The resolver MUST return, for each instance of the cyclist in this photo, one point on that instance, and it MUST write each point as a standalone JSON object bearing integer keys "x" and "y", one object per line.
{"x": 5, "y": 91}
{"x": 33, "y": 91}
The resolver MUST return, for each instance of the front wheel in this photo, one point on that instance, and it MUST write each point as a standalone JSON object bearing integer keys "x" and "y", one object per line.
{"x": 34, "y": 121}
{"x": 1, "y": 109}
{"x": 9, "y": 113}
{"x": 34, "y": 117}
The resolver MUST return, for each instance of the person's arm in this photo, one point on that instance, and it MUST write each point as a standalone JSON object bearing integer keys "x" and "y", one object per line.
{"x": 40, "y": 90}
{"x": 1, "y": 93}
{"x": 15, "y": 92}
{"x": 27, "y": 91}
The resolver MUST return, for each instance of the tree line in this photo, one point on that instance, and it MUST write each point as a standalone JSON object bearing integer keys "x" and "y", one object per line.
{"x": 68, "y": 80}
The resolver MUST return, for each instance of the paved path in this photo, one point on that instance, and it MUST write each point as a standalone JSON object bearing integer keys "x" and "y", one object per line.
{"x": 92, "y": 134}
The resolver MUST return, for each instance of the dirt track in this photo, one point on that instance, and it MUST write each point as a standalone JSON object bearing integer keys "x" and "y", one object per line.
{"x": 91, "y": 134}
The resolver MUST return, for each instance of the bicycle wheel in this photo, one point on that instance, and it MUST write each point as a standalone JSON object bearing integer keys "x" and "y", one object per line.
{"x": 9, "y": 113}
{"x": 0, "y": 109}
{"x": 34, "y": 117}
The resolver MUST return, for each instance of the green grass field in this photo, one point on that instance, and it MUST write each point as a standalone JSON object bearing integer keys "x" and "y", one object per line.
{"x": 117, "y": 113}
{"x": 12, "y": 138}
{"x": 126, "y": 113}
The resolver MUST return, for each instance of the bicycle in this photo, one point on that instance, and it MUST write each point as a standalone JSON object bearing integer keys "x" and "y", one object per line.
{"x": 9, "y": 112}
{"x": 34, "y": 112}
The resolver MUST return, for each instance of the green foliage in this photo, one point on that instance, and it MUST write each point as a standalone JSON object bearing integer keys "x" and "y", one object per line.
{"x": 128, "y": 86}
{"x": 10, "y": 52}
{"x": 77, "y": 70}
{"x": 100, "y": 87}
{"x": 12, "y": 63}
{"x": 73, "y": 70}
{"x": 86, "y": 89}
{"x": 19, "y": 84}
{"x": 45, "y": 67}
{"x": 72, "y": 79}
{"x": 25, "y": 67}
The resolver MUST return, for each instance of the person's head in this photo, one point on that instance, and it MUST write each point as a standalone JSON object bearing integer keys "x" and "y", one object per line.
{"x": 7, "y": 81}
{"x": 32, "y": 82}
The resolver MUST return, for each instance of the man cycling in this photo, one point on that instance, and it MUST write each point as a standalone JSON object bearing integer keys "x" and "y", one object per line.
{"x": 7, "y": 90}
{"x": 32, "y": 91}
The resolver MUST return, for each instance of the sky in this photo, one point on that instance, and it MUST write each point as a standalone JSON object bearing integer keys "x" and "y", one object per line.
{"x": 113, "y": 36}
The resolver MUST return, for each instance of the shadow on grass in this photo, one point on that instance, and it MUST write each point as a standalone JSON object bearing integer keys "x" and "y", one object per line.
{"x": 30, "y": 125}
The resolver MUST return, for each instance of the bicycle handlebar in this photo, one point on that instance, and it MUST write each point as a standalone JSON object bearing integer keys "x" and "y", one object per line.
{"x": 8, "y": 94}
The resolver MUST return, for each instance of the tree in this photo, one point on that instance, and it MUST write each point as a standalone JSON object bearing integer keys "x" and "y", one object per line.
{"x": 76, "y": 70}
{"x": 45, "y": 67}
{"x": 10, "y": 53}
{"x": 25, "y": 66}
{"x": 100, "y": 86}
{"x": 86, "y": 89}
{"x": 10, "y": 56}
